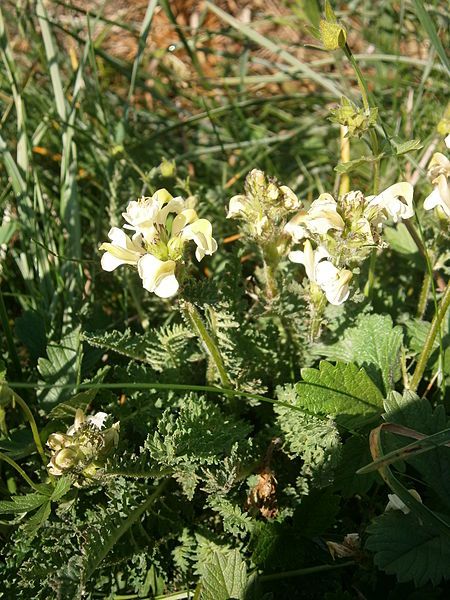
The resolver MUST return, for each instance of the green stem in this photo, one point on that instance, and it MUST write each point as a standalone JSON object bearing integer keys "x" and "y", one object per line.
{"x": 423, "y": 298}
{"x": 271, "y": 258}
{"x": 194, "y": 318}
{"x": 428, "y": 347}
{"x": 307, "y": 571}
{"x": 29, "y": 416}
{"x": 21, "y": 472}
{"x": 318, "y": 305}
{"x": 361, "y": 81}
{"x": 368, "y": 289}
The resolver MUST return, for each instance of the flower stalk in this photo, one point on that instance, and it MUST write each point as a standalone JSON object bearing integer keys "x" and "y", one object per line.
{"x": 193, "y": 317}
{"x": 428, "y": 347}
{"x": 344, "y": 184}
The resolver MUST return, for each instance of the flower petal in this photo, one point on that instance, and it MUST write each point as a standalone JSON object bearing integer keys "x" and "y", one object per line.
{"x": 158, "y": 276}
{"x": 236, "y": 207}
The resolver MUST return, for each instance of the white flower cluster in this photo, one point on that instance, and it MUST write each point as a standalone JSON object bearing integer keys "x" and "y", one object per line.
{"x": 439, "y": 175}
{"x": 263, "y": 206}
{"x": 337, "y": 235}
{"x": 161, "y": 226}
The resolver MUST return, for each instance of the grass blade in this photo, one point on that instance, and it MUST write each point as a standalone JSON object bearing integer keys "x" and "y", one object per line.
{"x": 266, "y": 43}
{"x": 429, "y": 27}
{"x": 10, "y": 67}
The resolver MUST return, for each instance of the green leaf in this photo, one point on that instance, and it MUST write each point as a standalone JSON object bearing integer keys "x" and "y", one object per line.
{"x": 61, "y": 367}
{"x": 408, "y": 549}
{"x": 7, "y": 230}
{"x": 405, "y": 147}
{"x": 38, "y": 519}
{"x": 81, "y": 400}
{"x": 418, "y": 414}
{"x": 352, "y": 165}
{"x": 224, "y": 576}
{"x": 343, "y": 391}
{"x": 312, "y": 438}
{"x": 162, "y": 348}
{"x": 22, "y": 504}
{"x": 425, "y": 19}
{"x": 355, "y": 455}
{"x": 373, "y": 344}
{"x": 400, "y": 240}
{"x": 63, "y": 485}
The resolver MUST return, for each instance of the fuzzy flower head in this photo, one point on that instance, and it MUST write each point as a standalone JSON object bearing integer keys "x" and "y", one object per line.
{"x": 439, "y": 175}
{"x": 84, "y": 447}
{"x": 263, "y": 206}
{"x": 161, "y": 226}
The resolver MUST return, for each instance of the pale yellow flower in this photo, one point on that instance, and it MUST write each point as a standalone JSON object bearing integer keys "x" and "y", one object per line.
{"x": 439, "y": 175}
{"x": 319, "y": 219}
{"x": 162, "y": 226}
{"x": 395, "y": 202}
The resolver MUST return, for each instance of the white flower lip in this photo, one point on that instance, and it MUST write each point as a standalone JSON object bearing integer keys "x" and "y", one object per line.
{"x": 158, "y": 276}
{"x": 333, "y": 281}
{"x": 439, "y": 175}
{"x": 396, "y": 201}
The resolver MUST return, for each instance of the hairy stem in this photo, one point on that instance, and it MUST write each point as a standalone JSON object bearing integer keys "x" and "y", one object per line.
{"x": 271, "y": 259}
{"x": 423, "y": 298}
{"x": 199, "y": 328}
{"x": 428, "y": 347}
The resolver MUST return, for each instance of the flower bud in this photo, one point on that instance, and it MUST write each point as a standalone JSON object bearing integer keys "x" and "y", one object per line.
{"x": 167, "y": 168}
{"x": 332, "y": 35}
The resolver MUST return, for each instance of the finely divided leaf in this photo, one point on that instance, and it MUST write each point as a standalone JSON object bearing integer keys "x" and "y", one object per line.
{"x": 343, "y": 391}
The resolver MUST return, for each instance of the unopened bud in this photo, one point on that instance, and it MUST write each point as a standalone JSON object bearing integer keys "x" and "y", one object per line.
{"x": 332, "y": 35}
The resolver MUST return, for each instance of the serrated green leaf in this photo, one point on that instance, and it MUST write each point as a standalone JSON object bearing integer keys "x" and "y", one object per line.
{"x": 343, "y": 391}
{"x": 162, "y": 348}
{"x": 38, "y": 519}
{"x": 408, "y": 549}
{"x": 224, "y": 577}
{"x": 312, "y": 438}
{"x": 63, "y": 485}
{"x": 373, "y": 344}
{"x": 22, "y": 504}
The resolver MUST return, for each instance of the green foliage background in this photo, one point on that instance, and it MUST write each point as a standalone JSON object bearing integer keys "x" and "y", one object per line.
{"x": 169, "y": 515}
